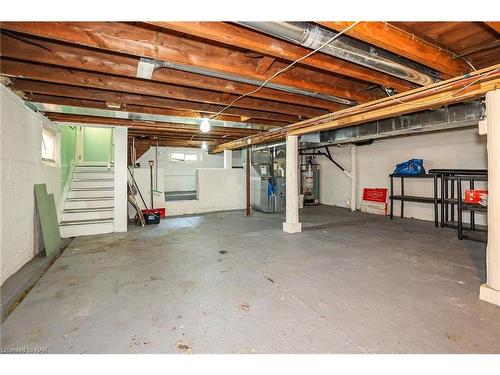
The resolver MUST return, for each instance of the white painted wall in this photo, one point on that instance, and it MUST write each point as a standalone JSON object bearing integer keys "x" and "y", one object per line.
{"x": 218, "y": 189}
{"x": 142, "y": 177}
{"x": 21, "y": 167}
{"x": 181, "y": 175}
{"x": 463, "y": 148}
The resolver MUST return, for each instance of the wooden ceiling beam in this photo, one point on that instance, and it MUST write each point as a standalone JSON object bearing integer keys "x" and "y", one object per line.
{"x": 82, "y": 78}
{"x": 84, "y": 103}
{"x": 254, "y": 41}
{"x": 395, "y": 40}
{"x": 197, "y": 135}
{"x": 144, "y": 42}
{"x": 142, "y": 146}
{"x": 494, "y": 25}
{"x": 146, "y": 125}
{"x": 470, "y": 86}
{"x": 71, "y": 56}
{"x": 264, "y": 64}
{"x": 141, "y": 100}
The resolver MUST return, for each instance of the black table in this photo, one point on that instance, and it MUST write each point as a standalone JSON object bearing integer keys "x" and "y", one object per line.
{"x": 412, "y": 198}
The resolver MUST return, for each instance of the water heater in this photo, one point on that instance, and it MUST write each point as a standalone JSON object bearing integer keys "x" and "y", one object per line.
{"x": 309, "y": 181}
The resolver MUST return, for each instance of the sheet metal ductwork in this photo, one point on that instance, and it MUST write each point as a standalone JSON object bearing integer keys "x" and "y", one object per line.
{"x": 312, "y": 36}
{"x": 241, "y": 79}
{"x": 448, "y": 117}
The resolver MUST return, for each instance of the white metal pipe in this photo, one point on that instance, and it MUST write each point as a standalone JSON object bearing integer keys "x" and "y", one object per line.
{"x": 228, "y": 159}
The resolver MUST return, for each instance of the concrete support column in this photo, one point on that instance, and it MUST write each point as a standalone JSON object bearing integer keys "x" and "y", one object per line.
{"x": 120, "y": 172}
{"x": 228, "y": 159}
{"x": 490, "y": 292}
{"x": 292, "y": 224}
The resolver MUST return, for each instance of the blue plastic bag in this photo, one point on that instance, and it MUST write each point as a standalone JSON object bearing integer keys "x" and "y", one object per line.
{"x": 412, "y": 167}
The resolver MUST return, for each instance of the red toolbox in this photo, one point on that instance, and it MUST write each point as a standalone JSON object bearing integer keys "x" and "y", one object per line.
{"x": 157, "y": 211}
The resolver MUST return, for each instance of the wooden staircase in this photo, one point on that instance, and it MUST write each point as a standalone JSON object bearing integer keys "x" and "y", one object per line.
{"x": 89, "y": 205}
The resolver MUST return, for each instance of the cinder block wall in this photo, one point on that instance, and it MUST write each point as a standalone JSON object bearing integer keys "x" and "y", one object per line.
{"x": 463, "y": 148}
{"x": 181, "y": 176}
{"x": 218, "y": 189}
{"x": 21, "y": 168}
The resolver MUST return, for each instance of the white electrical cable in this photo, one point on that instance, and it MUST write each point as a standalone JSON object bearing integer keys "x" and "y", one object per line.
{"x": 480, "y": 76}
{"x": 285, "y": 69}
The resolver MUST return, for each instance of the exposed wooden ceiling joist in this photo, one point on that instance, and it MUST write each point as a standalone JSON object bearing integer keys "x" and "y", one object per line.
{"x": 83, "y": 103}
{"x": 455, "y": 90}
{"x": 141, "y": 146}
{"x": 243, "y": 38}
{"x": 147, "y": 125}
{"x": 143, "y": 42}
{"x": 494, "y": 25}
{"x": 392, "y": 39}
{"x": 144, "y": 87}
{"x": 68, "y": 91}
{"x": 64, "y": 55}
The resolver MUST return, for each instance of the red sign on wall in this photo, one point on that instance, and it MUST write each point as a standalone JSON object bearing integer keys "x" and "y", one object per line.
{"x": 375, "y": 195}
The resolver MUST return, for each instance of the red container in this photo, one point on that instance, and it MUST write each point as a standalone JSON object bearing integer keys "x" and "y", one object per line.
{"x": 474, "y": 196}
{"x": 375, "y": 195}
{"x": 158, "y": 211}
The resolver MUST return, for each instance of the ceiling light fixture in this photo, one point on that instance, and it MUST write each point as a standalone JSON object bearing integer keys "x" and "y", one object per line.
{"x": 205, "y": 126}
{"x": 145, "y": 68}
{"x": 113, "y": 105}
{"x": 204, "y": 145}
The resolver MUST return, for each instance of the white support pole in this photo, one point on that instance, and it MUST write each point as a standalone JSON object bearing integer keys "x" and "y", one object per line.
{"x": 120, "y": 173}
{"x": 490, "y": 292}
{"x": 292, "y": 224}
{"x": 228, "y": 159}
{"x": 353, "y": 173}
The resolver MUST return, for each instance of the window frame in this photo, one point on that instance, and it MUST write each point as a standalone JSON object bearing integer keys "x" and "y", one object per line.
{"x": 53, "y": 135}
{"x": 190, "y": 160}
{"x": 173, "y": 158}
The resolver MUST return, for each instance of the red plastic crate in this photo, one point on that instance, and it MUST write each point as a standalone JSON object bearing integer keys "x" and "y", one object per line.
{"x": 158, "y": 211}
{"x": 474, "y": 196}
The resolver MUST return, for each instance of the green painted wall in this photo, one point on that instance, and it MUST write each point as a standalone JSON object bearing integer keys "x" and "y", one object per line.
{"x": 68, "y": 145}
{"x": 97, "y": 144}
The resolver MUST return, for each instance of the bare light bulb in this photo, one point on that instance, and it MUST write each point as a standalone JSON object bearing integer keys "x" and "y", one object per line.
{"x": 204, "y": 145}
{"x": 205, "y": 126}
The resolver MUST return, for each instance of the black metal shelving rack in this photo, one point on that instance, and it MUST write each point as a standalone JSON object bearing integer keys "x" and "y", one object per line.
{"x": 451, "y": 185}
{"x": 435, "y": 200}
{"x": 448, "y": 191}
{"x": 474, "y": 232}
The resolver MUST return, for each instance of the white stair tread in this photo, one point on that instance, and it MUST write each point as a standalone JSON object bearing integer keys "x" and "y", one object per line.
{"x": 91, "y": 188}
{"x": 86, "y": 222}
{"x": 106, "y": 198}
{"x": 74, "y": 210}
{"x": 91, "y": 179}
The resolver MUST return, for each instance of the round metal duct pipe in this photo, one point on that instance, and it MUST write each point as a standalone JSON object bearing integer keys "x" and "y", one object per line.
{"x": 313, "y": 36}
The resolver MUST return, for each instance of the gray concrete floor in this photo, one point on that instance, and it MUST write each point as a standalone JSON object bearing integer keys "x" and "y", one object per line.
{"x": 225, "y": 283}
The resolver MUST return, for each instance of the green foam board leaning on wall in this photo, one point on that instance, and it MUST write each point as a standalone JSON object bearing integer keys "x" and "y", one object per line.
{"x": 46, "y": 207}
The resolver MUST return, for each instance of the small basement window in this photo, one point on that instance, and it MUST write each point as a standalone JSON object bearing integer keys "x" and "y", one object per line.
{"x": 48, "y": 145}
{"x": 177, "y": 156}
{"x": 191, "y": 157}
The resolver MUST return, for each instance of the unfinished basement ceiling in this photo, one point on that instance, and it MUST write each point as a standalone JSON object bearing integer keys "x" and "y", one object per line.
{"x": 202, "y": 67}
